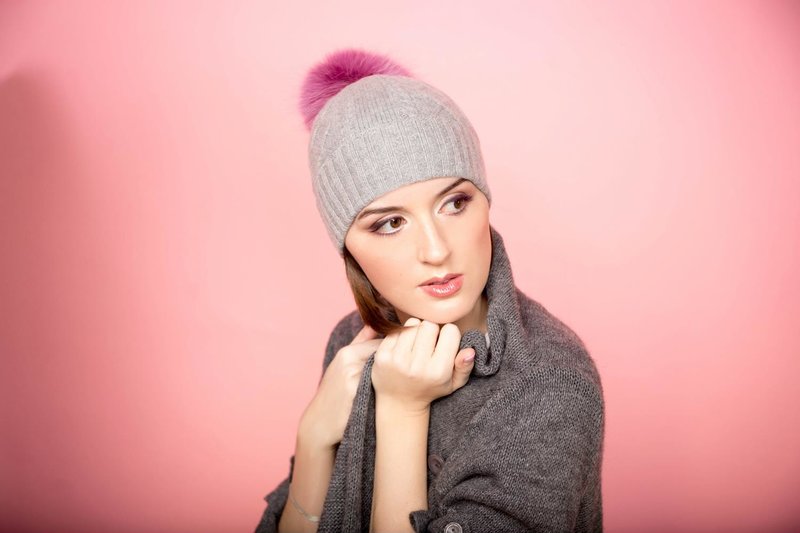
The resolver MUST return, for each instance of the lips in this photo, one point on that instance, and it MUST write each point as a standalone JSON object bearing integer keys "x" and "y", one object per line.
{"x": 441, "y": 280}
{"x": 444, "y": 290}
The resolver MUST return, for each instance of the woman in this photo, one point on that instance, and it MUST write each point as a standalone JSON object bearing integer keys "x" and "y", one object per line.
{"x": 449, "y": 401}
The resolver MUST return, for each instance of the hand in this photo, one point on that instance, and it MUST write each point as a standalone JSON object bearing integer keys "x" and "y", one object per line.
{"x": 412, "y": 367}
{"x": 325, "y": 418}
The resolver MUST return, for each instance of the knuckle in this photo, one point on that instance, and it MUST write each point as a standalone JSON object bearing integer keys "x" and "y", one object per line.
{"x": 430, "y": 326}
{"x": 451, "y": 329}
{"x": 382, "y": 356}
{"x": 416, "y": 374}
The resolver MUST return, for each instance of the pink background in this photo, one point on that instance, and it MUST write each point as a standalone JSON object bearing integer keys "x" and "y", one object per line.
{"x": 167, "y": 286}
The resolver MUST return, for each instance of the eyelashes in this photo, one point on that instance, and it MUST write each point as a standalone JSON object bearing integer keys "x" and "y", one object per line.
{"x": 463, "y": 197}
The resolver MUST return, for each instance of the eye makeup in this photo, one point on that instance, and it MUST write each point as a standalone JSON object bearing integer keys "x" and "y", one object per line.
{"x": 464, "y": 197}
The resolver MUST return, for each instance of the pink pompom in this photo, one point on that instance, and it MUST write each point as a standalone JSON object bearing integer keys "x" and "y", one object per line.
{"x": 336, "y": 72}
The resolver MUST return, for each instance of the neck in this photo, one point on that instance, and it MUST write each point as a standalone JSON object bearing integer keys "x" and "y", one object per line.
{"x": 475, "y": 319}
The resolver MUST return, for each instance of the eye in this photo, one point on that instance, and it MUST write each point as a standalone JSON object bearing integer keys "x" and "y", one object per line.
{"x": 386, "y": 222}
{"x": 459, "y": 202}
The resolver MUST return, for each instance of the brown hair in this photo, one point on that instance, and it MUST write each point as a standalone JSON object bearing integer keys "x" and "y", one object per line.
{"x": 376, "y": 312}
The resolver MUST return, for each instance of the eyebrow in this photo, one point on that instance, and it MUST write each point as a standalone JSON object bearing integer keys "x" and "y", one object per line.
{"x": 381, "y": 210}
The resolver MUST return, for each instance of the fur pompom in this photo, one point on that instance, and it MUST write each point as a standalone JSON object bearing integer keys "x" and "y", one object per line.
{"x": 336, "y": 72}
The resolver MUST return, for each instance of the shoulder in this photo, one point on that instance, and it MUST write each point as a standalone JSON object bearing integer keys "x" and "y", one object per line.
{"x": 347, "y": 327}
{"x": 546, "y": 399}
{"x": 558, "y": 352}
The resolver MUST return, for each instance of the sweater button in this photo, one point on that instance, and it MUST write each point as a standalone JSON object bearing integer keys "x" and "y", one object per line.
{"x": 452, "y": 527}
{"x": 435, "y": 463}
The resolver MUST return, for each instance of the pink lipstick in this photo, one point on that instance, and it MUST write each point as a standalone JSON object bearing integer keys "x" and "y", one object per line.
{"x": 449, "y": 286}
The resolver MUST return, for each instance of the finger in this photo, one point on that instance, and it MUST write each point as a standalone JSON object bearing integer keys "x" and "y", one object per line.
{"x": 364, "y": 334}
{"x": 465, "y": 361}
{"x": 363, "y": 350}
{"x": 405, "y": 341}
{"x": 465, "y": 358}
{"x": 447, "y": 346}
{"x": 388, "y": 343}
{"x": 425, "y": 342}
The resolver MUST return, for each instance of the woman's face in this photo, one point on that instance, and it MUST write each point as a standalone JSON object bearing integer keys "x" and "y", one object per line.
{"x": 429, "y": 229}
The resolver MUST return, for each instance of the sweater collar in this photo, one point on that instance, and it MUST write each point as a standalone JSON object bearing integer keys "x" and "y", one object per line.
{"x": 503, "y": 318}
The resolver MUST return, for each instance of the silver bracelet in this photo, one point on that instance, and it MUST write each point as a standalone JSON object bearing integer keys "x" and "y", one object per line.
{"x": 309, "y": 517}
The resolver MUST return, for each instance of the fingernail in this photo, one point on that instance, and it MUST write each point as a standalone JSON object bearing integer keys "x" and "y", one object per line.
{"x": 470, "y": 357}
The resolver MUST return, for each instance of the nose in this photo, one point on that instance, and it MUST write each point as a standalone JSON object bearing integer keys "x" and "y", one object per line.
{"x": 433, "y": 246}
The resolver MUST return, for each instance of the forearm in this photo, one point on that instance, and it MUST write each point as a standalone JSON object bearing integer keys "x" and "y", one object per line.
{"x": 401, "y": 484}
{"x": 313, "y": 466}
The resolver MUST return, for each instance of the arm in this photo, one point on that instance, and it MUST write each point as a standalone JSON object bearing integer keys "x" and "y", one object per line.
{"x": 529, "y": 461}
{"x": 412, "y": 367}
{"x": 313, "y": 460}
{"x": 313, "y": 465}
{"x": 308, "y": 480}
{"x": 401, "y": 484}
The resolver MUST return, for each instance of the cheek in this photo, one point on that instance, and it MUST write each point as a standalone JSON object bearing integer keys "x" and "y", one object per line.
{"x": 478, "y": 235}
{"x": 481, "y": 245}
{"x": 383, "y": 273}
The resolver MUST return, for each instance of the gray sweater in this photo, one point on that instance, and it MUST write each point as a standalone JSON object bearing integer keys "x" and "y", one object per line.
{"x": 518, "y": 448}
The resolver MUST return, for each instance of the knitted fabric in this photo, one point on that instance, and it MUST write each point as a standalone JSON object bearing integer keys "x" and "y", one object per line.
{"x": 520, "y": 445}
{"x": 383, "y": 132}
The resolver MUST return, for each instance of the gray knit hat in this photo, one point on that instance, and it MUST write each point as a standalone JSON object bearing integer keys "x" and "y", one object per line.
{"x": 374, "y": 128}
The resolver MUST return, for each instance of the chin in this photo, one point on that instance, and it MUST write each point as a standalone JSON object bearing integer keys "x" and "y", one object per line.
{"x": 441, "y": 313}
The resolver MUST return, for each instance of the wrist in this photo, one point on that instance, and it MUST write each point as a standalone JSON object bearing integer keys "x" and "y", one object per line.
{"x": 309, "y": 435}
{"x": 308, "y": 444}
{"x": 402, "y": 407}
